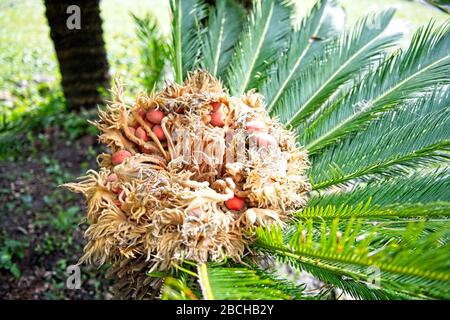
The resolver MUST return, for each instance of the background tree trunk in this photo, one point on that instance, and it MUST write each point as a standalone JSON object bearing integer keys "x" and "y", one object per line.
{"x": 81, "y": 52}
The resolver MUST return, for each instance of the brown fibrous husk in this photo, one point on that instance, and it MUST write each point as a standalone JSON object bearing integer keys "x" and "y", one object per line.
{"x": 167, "y": 202}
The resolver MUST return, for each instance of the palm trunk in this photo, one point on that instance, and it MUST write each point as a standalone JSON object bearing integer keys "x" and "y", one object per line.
{"x": 81, "y": 52}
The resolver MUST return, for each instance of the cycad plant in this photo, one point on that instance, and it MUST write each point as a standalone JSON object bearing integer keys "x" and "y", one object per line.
{"x": 374, "y": 121}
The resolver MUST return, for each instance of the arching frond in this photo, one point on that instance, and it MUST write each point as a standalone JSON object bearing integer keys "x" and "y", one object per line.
{"x": 236, "y": 283}
{"x": 420, "y": 187}
{"x": 415, "y": 263}
{"x": 375, "y": 124}
{"x": 390, "y": 146}
{"x": 341, "y": 61}
{"x": 224, "y": 25}
{"x": 263, "y": 37}
{"x": 302, "y": 45}
{"x": 186, "y": 35}
{"x": 365, "y": 209}
{"x": 407, "y": 75}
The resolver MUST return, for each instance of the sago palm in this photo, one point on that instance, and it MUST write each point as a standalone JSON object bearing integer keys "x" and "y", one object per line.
{"x": 374, "y": 121}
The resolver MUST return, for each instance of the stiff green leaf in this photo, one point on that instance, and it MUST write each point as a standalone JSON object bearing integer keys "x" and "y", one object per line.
{"x": 186, "y": 35}
{"x": 239, "y": 283}
{"x": 397, "y": 142}
{"x": 404, "y": 76}
{"x": 340, "y": 63}
{"x": 263, "y": 37}
{"x": 303, "y": 44}
{"x": 224, "y": 25}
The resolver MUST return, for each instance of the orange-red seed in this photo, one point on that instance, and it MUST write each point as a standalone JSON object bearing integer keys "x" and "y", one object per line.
{"x": 120, "y": 156}
{"x": 155, "y": 116}
{"x": 141, "y": 134}
{"x": 215, "y": 106}
{"x": 235, "y": 203}
{"x": 159, "y": 133}
{"x": 217, "y": 119}
{"x": 254, "y": 125}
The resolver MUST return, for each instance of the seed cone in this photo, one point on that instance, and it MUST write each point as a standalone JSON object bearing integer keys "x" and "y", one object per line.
{"x": 166, "y": 202}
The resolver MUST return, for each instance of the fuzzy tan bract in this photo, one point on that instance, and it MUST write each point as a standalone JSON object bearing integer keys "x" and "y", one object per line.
{"x": 166, "y": 202}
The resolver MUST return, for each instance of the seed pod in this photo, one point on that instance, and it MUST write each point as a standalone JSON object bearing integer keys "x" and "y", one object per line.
{"x": 132, "y": 129}
{"x": 187, "y": 184}
{"x": 215, "y": 106}
{"x": 235, "y": 203}
{"x": 141, "y": 113}
{"x": 141, "y": 134}
{"x": 158, "y": 131}
{"x": 255, "y": 125}
{"x": 120, "y": 156}
{"x": 264, "y": 139}
{"x": 217, "y": 119}
{"x": 134, "y": 123}
{"x": 155, "y": 116}
{"x": 145, "y": 150}
{"x": 112, "y": 177}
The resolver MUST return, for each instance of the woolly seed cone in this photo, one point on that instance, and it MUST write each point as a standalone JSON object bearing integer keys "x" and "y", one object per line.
{"x": 167, "y": 201}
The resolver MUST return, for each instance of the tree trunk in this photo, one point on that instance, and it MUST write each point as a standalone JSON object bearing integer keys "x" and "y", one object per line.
{"x": 80, "y": 50}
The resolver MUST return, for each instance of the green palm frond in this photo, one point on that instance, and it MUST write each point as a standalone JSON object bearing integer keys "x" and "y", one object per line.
{"x": 186, "y": 35}
{"x": 301, "y": 49}
{"x": 366, "y": 209}
{"x": 356, "y": 284}
{"x": 331, "y": 26}
{"x": 414, "y": 263}
{"x": 424, "y": 186}
{"x": 375, "y": 124}
{"x": 236, "y": 283}
{"x": 404, "y": 76}
{"x": 264, "y": 36}
{"x": 154, "y": 50}
{"x": 341, "y": 61}
{"x": 224, "y": 26}
{"x": 394, "y": 144}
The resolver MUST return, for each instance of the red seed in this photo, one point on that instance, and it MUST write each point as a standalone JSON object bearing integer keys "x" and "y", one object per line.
{"x": 155, "y": 116}
{"x": 265, "y": 140}
{"x": 145, "y": 150}
{"x": 235, "y": 203}
{"x": 215, "y": 106}
{"x": 217, "y": 119}
{"x": 159, "y": 133}
{"x": 141, "y": 113}
{"x": 132, "y": 130}
{"x": 134, "y": 124}
{"x": 254, "y": 125}
{"x": 141, "y": 134}
{"x": 119, "y": 156}
{"x": 112, "y": 177}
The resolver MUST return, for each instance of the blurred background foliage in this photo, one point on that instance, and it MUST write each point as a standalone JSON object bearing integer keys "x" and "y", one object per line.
{"x": 42, "y": 144}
